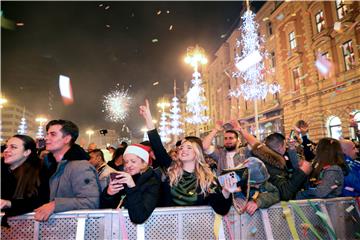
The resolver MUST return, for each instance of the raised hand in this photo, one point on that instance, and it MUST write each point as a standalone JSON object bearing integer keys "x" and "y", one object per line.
{"x": 145, "y": 112}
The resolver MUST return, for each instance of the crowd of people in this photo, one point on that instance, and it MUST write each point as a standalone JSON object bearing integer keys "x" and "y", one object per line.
{"x": 246, "y": 172}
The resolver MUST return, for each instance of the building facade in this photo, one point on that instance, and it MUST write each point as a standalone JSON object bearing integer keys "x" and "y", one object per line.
{"x": 297, "y": 34}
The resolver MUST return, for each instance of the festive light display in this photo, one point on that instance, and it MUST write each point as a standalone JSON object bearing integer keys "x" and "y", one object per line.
{"x": 250, "y": 64}
{"x": 163, "y": 127}
{"x": 40, "y": 132}
{"x": 117, "y": 104}
{"x": 175, "y": 115}
{"x": 22, "y": 127}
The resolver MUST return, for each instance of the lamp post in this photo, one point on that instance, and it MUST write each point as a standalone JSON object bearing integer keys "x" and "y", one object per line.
{"x": 41, "y": 121}
{"x": 89, "y": 132}
{"x": 195, "y": 56}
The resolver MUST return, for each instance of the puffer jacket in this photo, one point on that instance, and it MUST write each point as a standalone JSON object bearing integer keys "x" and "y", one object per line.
{"x": 288, "y": 184}
{"x": 75, "y": 184}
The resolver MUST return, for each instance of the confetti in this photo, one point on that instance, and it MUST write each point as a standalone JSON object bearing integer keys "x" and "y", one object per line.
{"x": 350, "y": 208}
{"x": 337, "y": 26}
{"x": 107, "y": 7}
{"x": 167, "y": 11}
{"x": 349, "y": 189}
{"x": 280, "y": 17}
{"x": 107, "y": 25}
{"x": 323, "y": 65}
{"x": 66, "y": 90}
{"x": 334, "y": 186}
{"x": 159, "y": 12}
{"x": 223, "y": 36}
{"x": 155, "y": 40}
{"x": 100, "y": 5}
{"x": 171, "y": 27}
{"x": 20, "y": 24}
{"x": 155, "y": 83}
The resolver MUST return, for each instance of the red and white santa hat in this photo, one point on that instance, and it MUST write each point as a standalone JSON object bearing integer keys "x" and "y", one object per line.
{"x": 139, "y": 150}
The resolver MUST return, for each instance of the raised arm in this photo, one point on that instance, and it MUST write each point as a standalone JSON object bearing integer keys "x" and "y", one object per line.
{"x": 145, "y": 112}
{"x": 207, "y": 140}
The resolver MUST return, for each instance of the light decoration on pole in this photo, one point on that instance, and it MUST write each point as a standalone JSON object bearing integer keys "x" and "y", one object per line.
{"x": 145, "y": 137}
{"x": 40, "y": 131}
{"x": 23, "y": 126}
{"x": 250, "y": 65}
{"x": 195, "y": 96}
{"x": 175, "y": 115}
{"x": 117, "y": 104}
{"x": 163, "y": 122}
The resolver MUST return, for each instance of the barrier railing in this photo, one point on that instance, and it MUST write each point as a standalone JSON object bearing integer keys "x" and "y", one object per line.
{"x": 341, "y": 214}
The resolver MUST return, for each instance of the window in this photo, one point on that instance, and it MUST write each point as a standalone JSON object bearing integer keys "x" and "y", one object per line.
{"x": 320, "y": 21}
{"x": 272, "y": 60}
{"x": 292, "y": 40}
{"x": 355, "y": 124}
{"x": 334, "y": 127}
{"x": 269, "y": 28}
{"x": 349, "y": 56}
{"x": 341, "y": 9}
{"x": 296, "y": 78}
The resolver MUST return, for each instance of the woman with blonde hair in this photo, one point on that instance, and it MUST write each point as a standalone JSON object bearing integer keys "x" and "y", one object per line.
{"x": 190, "y": 180}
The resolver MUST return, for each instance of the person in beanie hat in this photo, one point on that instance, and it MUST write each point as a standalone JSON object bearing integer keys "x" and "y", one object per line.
{"x": 258, "y": 191}
{"x": 137, "y": 188}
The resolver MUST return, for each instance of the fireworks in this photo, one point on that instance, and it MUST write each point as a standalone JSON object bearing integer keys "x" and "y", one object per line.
{"x": 117, "y": 104}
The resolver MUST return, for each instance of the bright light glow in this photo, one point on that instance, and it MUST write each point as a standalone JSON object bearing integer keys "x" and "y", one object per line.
{"x": 22, "y": 127}
{"x": 250, "y": 60}
{"x": 40, "y": 132}
{"x": 65, "y": 87}
{"x": 250, "y": 63}
{"x": 163, "y": 127}
{"x": 90, "y": 132}
{"x": 175, "y": 117}
{"x": 117, "y": 104}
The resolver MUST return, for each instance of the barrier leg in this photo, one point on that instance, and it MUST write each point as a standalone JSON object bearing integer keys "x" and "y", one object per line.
{"x": 80, "y": 228}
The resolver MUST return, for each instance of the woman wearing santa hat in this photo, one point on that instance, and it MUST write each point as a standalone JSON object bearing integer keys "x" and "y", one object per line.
{"x": 137, "y": 188}
{"x": 190, "y": 179}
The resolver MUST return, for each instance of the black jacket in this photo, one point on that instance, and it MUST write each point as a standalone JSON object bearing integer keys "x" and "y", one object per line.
{"x": 140, "y": 200}
{"x": 216, "y": 200}
{"x": 288, "y": 184}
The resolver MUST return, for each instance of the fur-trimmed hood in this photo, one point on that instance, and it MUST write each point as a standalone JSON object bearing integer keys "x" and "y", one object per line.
{"x": 268, "y": 155}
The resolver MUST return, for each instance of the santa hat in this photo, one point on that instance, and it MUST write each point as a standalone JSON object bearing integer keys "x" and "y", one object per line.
{"x": 139, "y": 150}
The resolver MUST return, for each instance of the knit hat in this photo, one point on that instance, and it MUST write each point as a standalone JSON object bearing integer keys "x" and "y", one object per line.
{"x": 139, "y": 150}
{"x": 258, "y": 171}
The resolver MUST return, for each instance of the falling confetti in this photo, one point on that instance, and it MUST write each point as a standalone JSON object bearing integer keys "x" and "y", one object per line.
{"x": 20, "y": 24}
{"x": 167, "y": 11}
{"x": 223, "y": 36}
{"x": 155, "y": 40}
{"x": 337, "y": 26}
{"x": 155, "y": 83}
{"x": 66, "y": 90}
{"x": 100, "y": 5}
{"x": 159, "y": 12}
{"x": 324, "y": 66}
{"x": 117, "y": 104}
{"x": 107, "y": 25}
{"x": 280, "y": 17}
{"x": 107, "y": 7}
{"x": 171, "y": 27}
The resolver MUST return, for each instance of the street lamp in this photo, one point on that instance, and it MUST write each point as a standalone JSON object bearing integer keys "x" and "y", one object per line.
{"x": 89, "y": 132}
{"x": 195, "y": 56}
{"x": 40, "y": 132}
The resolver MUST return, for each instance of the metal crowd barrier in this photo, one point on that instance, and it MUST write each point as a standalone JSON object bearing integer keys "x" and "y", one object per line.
{"x": 192, "y": 223}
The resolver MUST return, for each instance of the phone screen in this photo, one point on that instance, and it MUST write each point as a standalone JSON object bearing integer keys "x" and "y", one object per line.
{"x": 292, "y": 134}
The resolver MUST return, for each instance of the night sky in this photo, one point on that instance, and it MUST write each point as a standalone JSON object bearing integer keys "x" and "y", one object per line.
{"x": 102, "y": 46}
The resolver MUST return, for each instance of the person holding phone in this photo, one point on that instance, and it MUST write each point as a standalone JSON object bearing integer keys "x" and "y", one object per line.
{"x": 137, "y": 188}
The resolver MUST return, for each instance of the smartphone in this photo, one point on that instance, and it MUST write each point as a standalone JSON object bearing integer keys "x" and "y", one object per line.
{"x": 232, "y": 175}
{"x": 292, "y": 134}
{"x": 41, "y": 143}
{"x": 228, "y": 126}
{"x": 113, "y": 175}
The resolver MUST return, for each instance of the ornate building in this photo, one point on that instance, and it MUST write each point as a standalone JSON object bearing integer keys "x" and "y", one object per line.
{"x": 296, "y": 34}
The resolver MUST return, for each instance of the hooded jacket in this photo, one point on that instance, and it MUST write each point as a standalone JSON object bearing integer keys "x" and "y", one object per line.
{"x": 75, "y": 184}
{"x": 288, "y": 184}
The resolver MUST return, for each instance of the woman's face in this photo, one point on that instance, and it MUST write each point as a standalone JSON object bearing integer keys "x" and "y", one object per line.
{"x": 15, "y": 154}
{"x": 186, "y": 152}
{"x": 133, "y": 164}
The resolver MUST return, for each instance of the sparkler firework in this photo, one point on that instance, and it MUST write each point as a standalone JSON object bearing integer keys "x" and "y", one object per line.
{"x": 117, "y": 104}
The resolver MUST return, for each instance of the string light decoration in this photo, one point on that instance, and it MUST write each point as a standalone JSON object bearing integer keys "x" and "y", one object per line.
{"x": 250, "y": 65}
{"x": 22, "y": 127}
{"x": 40, "y": 132}
{"x": 195, "y": 96}
{"x": 175, "y": 115}
{"x": 164, "y": 130}
{"x": 117, "y": 104}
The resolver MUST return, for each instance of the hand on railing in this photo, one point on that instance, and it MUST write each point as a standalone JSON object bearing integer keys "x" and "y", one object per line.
{"x": 43, "y": 213}
{"x": 5, "y": 204}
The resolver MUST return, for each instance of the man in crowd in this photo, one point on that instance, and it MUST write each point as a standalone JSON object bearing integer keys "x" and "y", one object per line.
{"x": 74, "y": 183}
{"x": 272, "y": 154}
{"x": 352, "y": 179}
{"x": 103, "y": 170}
{"x": 231, "y": 154}
{"x": 307, "y": 145}
{"x": 91, "y": 147}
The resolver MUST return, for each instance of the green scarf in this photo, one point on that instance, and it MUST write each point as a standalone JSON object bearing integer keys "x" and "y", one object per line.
{"x": 184, "y": 193}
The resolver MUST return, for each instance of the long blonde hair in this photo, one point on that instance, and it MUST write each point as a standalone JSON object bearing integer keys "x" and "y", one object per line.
{"x": 204, "y": 176}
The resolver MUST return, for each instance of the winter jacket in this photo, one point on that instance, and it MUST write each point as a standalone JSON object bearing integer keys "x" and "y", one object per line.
{"x": 75, "y": 184}
{"x": 352, "y": 179}
{"x": 307, "y": 145}
{"x": 140, "y": 200}
{"x": 219, "y": 155}
{"x": 27, "y": 203}
{"x": 287, "y": 183}
{"x": 215, "y": 198}
{"x": 329, "y": 184}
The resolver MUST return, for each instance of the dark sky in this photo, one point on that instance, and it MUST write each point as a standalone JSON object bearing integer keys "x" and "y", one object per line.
{"x": 71, "y": 38}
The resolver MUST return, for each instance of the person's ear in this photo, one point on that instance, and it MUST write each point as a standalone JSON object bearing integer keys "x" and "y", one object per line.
{"x": 27, "y": 153}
